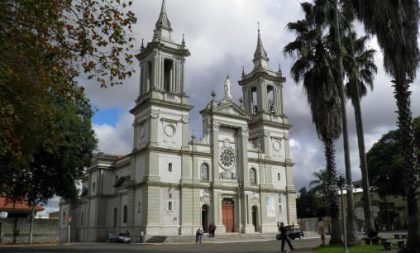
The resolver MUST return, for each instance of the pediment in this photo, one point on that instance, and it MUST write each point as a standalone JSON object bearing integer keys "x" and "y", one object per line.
{"x": 230, "y": 108}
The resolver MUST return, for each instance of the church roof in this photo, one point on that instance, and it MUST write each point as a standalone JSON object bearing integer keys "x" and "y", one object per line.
{"x": 260, "y": 52}
{"x": 260, "y": 55}
{"x": 163, "y": 21}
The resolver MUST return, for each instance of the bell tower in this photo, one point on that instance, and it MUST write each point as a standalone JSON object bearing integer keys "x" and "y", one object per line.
{"x": 162, "y": 107}
{"x": 263, "y": 100}
{"x": 162, "y": 64}
{"x": 262, "y": 88}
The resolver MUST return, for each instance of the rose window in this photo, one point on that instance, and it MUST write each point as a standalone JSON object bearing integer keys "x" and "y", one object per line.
{"x": 227, "y": 158}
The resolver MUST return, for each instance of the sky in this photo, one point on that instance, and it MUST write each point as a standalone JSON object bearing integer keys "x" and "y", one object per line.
{"x": 221, "y": 36}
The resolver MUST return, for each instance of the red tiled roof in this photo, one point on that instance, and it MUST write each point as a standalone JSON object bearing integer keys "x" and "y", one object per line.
{"x": 19, "y": 206}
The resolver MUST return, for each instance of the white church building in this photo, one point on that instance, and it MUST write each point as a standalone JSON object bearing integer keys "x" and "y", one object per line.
{"x": 239, "y": 175}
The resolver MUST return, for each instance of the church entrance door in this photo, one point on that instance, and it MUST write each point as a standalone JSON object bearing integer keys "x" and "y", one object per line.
{"x": 204, "y": 219}
{"x": 255, "y": 218}
{"x": 228, "y": 218}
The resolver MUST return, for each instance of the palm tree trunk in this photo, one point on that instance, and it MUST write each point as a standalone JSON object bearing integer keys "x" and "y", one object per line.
{"x": 332, "y": 197}
{"x": 367, "y": 206}
{"x": 402, "y": 95}
{"x": 351, "y": 227}
{"x": 370, "y": 226}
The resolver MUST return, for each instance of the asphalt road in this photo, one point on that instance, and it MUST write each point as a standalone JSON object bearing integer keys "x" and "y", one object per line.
{"x": 247, "y": 247}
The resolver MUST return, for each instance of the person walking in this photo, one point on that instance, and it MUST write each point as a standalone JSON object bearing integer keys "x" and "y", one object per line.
{"x": 212, "y": 229}
{"x": 284, "y": 238}
{"x": 141, "y": 236}
{"x": 321, "y": 231}
{"x": 199, "y": 235}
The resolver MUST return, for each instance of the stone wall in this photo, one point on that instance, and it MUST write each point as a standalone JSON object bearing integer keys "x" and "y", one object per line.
{"x": 44, "y": 230}
{"x": 312, "y": 224}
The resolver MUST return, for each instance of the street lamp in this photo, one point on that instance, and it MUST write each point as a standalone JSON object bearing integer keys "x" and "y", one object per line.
{"x": 341, "y": 183}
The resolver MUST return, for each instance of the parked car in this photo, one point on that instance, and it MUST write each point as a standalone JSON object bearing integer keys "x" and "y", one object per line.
{"x": 294, "y": 233}
{"x": 120, "y": 237}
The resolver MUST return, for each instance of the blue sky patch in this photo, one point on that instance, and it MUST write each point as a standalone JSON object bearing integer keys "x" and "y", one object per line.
{"x": 106, "y": 116}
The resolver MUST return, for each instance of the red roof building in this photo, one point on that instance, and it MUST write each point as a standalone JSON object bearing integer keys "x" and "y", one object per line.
{"x": 9, "y": 206}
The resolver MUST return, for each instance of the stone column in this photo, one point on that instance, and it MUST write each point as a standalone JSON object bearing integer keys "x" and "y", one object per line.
{"x": 153, "y": 126}
{"x": 281, "y": 99}
{"x": 182, "y": 77}
{"x": 260, "y": 98}
{"x": 264, "y": 98}
{"x": 243, "y": 137}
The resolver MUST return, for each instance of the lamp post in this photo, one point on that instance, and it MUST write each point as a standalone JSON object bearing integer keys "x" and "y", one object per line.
{"x": 341, "y": 183}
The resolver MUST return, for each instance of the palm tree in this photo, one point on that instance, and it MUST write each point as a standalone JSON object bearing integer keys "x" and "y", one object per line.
{"x": 313, "y": 66}
{"x": 396, "y": 23}
{"x": 320, "y": 184}
{"x": 360, "y": 68}
{"x": 335, "y": 22}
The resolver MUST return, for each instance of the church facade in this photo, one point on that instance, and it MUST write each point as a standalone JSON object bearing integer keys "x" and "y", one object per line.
{"x": 237, "y": 176}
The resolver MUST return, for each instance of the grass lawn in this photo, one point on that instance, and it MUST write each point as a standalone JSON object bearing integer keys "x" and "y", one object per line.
{"x": 355, "y": 249}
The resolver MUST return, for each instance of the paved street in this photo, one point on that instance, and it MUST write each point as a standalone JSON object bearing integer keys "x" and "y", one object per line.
{"x": 248, "y": 247}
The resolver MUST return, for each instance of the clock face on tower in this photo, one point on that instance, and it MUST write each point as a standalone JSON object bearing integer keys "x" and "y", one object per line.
{"x": 227, "y": 158}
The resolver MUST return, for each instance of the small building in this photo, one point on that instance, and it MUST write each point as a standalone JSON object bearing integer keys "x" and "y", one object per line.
{"x": 54, "y": 215}
{"x": 17, "y": 212}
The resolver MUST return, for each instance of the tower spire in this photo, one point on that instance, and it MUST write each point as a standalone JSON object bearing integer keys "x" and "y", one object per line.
{"x": 260, "y": 55}
{"x": 163, "y": 25}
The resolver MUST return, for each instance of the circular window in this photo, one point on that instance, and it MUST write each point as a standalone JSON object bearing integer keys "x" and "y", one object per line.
{"x": 169, "y": 130}
{"x": 227, "y": 158}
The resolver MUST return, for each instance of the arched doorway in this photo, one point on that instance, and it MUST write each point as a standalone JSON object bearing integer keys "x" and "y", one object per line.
{"x": 204, "y": 217}
{"x": 228, "y": 215}
{"x": 255, "y": 217}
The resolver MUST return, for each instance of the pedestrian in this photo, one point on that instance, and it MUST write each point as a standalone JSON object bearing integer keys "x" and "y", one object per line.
{"x": 198, "y": 235}
{"x": 141, "y": 236}
{"x": 284, "y": 238}
{"x": 321, "y": 230}
{"x": 211, "y": 230}
{"x": 214, "y": 229}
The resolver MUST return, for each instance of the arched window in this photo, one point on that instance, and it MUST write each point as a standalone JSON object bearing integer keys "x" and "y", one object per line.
{"x": 254, "y": 100}
{"x": 167, "y": 74}
{"x": 253, "y": 176}
{"x": 270, "y": 97}
{"x": 204, "y": 172}
{"x": 125, "y": 215}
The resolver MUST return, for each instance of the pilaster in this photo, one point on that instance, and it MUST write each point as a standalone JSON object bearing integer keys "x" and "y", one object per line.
{"x": 243, "y": 136}
{"x": 215, "y": 152}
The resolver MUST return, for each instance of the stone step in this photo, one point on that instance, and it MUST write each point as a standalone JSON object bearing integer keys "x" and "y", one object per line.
{"x": 222, "y": 237}
{"x": 157, "y": 239}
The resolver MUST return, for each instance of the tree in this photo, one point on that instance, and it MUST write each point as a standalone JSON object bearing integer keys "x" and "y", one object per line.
{"x": 395, "y": 24}
{"x": 320, "y": 184}
{"x": 385, "y": 162}
{"x": 309, "y": 204}
{"x": 360, "y": 68}
{"x": 45, "y": 47}
{"x": 337, "y": 31}
{"x": 314, "y": 67}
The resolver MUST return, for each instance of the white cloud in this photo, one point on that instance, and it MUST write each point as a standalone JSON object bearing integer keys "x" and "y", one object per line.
{"x": 115, "y": 140}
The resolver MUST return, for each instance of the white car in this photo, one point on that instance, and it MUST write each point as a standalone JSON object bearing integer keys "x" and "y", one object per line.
{"x": 121, "y": 237}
